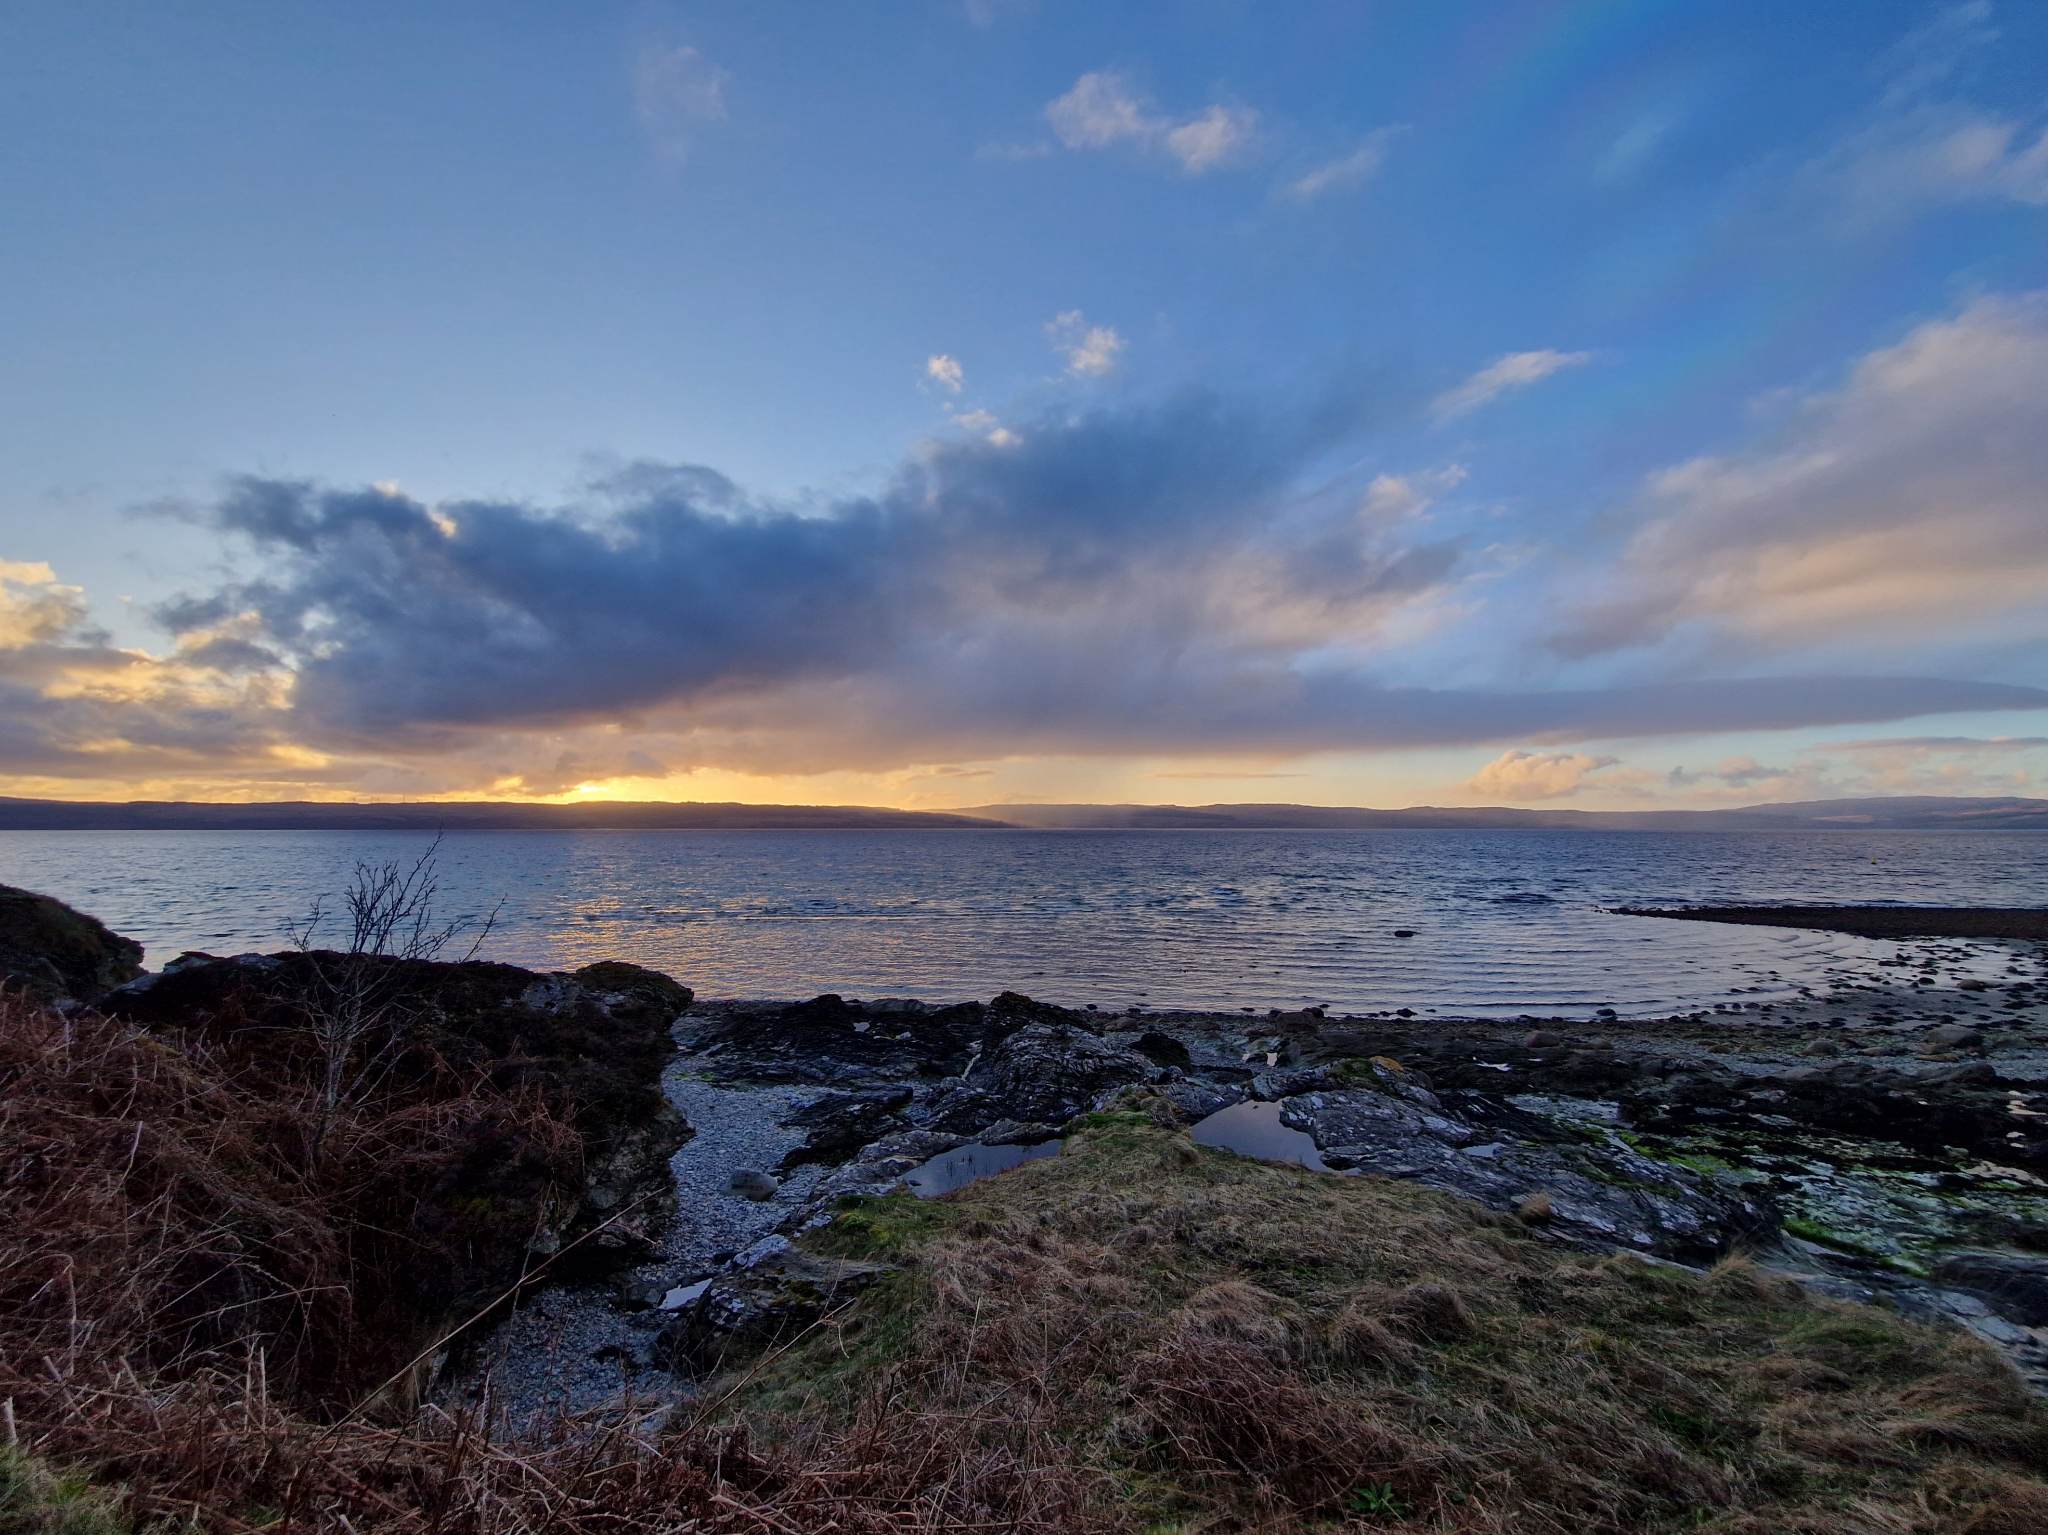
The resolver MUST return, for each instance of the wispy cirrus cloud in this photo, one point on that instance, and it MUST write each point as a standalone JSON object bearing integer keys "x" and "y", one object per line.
{"x": 1346, "y": 171}
{"x": 676, "y": 93}
{"x": 1922, "y": 143}
{"x": 1904, "y": 503}
{"x": 1504, "y": 375}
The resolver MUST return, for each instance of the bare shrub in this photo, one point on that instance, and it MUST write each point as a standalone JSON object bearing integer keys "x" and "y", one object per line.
{"x": 351, "y": 1008}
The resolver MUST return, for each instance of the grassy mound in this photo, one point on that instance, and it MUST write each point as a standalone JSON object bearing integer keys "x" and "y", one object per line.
{"x": 51, "y": 951}
{"x": 1142, "y": 1335}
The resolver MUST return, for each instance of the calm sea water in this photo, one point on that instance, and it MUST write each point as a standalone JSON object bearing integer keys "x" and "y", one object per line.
{"x": 1504, "y": 922}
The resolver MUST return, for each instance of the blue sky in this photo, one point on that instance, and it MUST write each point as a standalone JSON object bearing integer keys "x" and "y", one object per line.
{"x": 1598, "y": 403}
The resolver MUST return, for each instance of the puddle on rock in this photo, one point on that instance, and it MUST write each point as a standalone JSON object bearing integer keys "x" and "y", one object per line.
{"x": 955, "y": 1169}
{"x": 1255, "y": 1130}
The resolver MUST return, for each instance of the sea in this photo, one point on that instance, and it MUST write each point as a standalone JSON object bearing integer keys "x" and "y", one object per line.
{"x": 1449, "y": 923}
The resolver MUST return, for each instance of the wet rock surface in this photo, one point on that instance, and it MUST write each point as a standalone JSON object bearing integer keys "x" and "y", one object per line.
{"x": 1847, "y": 1140}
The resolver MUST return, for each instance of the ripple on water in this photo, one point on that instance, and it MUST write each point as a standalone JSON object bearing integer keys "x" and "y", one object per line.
{"x": 1182, "y": 919}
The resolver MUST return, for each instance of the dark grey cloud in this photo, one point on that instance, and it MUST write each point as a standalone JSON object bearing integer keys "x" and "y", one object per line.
{"x": 1187, "y": 577}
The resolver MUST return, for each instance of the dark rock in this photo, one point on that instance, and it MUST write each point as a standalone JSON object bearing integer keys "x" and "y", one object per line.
{"x": 2014, "y": 1284}
{"x": 1045, "y": 1071}
{"x": 1017, "y": 1132}
{"x": 751, "y": 1184}
{"x": 56, "y": 954}
{"x": 596, "y": 1053}
{"x": 1194, "y": 1100}
{"x": 772, "y": 1292}
{"x": 1953, "y": 1036}
{"x": 1542, "y": 1039}
{"x": 1596, "y": 1194}
{"x": 877, "y": 1170}
{"x": 842, "y": 1123}
{"x": 835, "y": 1043}
{"x": 1285, "y": 1082}
{"x": 1162, "y": 1049}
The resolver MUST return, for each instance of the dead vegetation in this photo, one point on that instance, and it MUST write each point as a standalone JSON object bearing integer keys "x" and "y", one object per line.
{"x": 1230, "y": 1345}
{"x": 194, "y": 1317}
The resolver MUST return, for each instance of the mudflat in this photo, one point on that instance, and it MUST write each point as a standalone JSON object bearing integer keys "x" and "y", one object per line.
{"x": 1872, "y": 921}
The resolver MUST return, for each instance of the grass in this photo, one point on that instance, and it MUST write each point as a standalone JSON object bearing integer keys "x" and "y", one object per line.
{"x": 36, "y": 1500}
{"x": 1180, "y": 1339}
{"x": 1137, "y": 1334}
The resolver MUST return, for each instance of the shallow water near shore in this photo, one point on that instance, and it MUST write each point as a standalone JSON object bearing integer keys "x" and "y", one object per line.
{"x": 1502, "y": 922}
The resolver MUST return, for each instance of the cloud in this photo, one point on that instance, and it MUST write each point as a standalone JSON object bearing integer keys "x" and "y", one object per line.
{"x": 1906, "y": 503}
{"x": 1526, "y": 775}
{"x": 945, "y": 371}
{"x": 1185, "y": 577}
{"x": 1917, "y": 147}
{"x": 1102, "y": 111}
{"x": 985, "y": 425}
{"x": 1347, "y": 170}
{"x": 1091, "y": 351}
{"x": 1733, "y": 772}
{"x": 1504, "y": 375}
{"x": 1214, "y": 137}
{"x": 676, "y": 91}
{"x": 34, "y": 607}
{"x": 1961, "y": 744}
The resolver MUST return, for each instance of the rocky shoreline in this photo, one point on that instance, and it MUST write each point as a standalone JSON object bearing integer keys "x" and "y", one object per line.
{"x": 1886, "y": 1143}
{"x": 1884, "y": 1140}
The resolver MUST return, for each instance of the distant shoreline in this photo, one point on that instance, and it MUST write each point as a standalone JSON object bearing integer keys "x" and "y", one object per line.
{"x": 1900, "y": 813}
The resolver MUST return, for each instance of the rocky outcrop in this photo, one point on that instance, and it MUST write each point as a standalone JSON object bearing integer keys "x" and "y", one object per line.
{"x": 841, "y": 1123}
{"x": 830, "y": 1042}
{"x": 57, "y": 954}
{"x": 592, "y": 1042}
{"x": 769, "y": 1293}
{"x": 1586, "y": 1186}
{"x": 1045, "y": 1072}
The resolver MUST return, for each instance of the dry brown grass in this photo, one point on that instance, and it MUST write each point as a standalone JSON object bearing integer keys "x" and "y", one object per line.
{"x": 1130, "y": 1336}
{"x": 195, "y": 1314}
{"x": 1228, "y": 1345}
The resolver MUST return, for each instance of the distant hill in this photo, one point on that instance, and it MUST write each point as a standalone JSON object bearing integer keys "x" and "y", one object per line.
{"x": 461, "y": 815}
{"x": 1900, "y": 813}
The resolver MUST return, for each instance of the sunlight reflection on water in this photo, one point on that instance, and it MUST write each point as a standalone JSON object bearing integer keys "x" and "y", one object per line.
{"x": 1503, "y": 922}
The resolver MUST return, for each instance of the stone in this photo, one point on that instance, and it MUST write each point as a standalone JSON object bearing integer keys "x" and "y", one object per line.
{"x": 1599, "y": 1194}
{"x": 2015, "y": 1285}
{"x": 1047, "y": 1072}
{"x": 840, "y": 1124}
{"x": 750, "y": 1184}
{"x": 772, "y": 1292}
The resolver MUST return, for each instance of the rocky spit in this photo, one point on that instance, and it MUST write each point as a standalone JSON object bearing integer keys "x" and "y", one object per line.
{"x": 1884, "y": 1140}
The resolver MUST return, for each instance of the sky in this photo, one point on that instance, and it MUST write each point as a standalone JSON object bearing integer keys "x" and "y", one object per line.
{"x": 955, "y": 402}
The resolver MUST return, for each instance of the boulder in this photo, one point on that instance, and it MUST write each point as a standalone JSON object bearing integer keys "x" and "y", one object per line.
{"x": 772, "y": 1292}
{"x": 58, "y": 954}
{"x": 1046, "y": 1072}
{"x": 2015, "y": 1285}
{"x": 840, "y": 1124}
